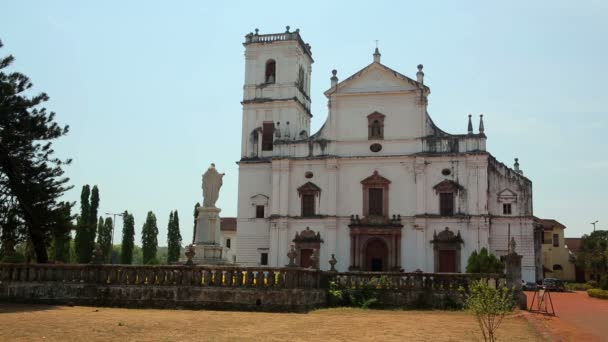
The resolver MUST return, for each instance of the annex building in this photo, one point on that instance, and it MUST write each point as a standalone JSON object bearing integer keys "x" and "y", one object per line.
{"x": 380, "y": 186}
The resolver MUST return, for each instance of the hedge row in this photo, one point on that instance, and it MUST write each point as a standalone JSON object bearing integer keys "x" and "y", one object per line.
{"x": 598, "y": 293}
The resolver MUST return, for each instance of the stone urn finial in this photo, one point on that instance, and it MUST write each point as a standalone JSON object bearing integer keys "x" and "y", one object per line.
{"x": 190, "y": 253}
{"x": 292, "y": 255}
{"x": 332, "y": 263}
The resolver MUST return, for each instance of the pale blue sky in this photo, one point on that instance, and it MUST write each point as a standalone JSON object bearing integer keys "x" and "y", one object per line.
{"x": 152, "y": 90}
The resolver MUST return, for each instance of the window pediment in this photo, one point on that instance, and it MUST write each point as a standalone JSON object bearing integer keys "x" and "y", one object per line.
{"x": 376, "y": 116}
{"x": 309, "y": 188}
{"x": 447, "y": 186}
{"x": 308, "y": 235}
{"x": 507, "y": 196}
{"x": 259, "y": 199}
{"x": 447, "y": 236}
{"x": 375, "y": 180}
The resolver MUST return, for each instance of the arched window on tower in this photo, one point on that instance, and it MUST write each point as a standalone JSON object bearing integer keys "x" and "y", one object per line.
{"x": 271, "y": 67}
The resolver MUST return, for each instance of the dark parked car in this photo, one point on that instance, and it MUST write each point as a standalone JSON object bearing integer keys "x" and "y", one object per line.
{"x": 553, "y": 284}
{"x": 529, "y": 286}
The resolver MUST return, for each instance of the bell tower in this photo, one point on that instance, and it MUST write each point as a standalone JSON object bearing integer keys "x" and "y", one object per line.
{"x": 276, "y": 94}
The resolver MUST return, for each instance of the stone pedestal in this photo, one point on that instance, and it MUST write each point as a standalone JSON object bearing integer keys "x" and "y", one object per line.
{"x": 513, "y": 267}
{"x": 208, "y": 226}
{"x": 207, "y": 245}
{"x": 208, "y": 254}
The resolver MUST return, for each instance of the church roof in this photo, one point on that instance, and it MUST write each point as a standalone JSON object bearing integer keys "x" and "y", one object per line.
{"x": 359, "y": 73}
{"x": 228, "y": 224}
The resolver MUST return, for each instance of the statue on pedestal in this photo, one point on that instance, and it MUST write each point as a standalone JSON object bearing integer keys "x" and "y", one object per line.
{"x": 212, "y": 182}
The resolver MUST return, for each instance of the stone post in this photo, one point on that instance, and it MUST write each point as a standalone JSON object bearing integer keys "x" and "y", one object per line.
{"x": 513, "y": 268}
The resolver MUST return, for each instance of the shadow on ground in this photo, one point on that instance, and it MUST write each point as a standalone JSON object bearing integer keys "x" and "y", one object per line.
{"x": 12, "y": 307}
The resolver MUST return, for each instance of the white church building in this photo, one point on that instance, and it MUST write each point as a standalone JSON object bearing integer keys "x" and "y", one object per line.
{"x": 379, "y": 186}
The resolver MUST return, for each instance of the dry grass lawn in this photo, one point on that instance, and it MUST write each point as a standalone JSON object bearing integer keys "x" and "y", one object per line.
{"x": 52, "y": 323}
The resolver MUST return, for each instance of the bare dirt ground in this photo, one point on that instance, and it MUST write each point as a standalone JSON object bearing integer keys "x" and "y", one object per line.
{"x": 57, "y": 323}
{"x": 579, "y": 317}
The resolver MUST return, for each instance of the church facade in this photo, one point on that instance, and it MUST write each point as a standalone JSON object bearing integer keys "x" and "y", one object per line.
{"x": 379, "y": 186}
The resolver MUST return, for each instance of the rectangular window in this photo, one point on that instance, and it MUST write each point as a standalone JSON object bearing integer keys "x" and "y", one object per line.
{"x": 375, "y": 202}
{"x": 227, "y": 243}
{"x": 506, "y": 209}
{"x": 547, "y": 238}
{"x": 259, "y": 211}
{"x": 446, "y": 204}
{"x": 555, "y": 240}
{"x": 267, "y": 134}
{"x": 264, "y": 259}
{"x": 308, "y": 205}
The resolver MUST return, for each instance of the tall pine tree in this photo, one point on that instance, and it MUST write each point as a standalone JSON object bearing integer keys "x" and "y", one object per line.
{"x": 149, "y": 239}
{"x": 31, "y": 176}
{"x": 61, "y": 231}
{"x": 104, "y": 237}
{"x": 83, "y": 231}
{"x": 174, "y": 238}
{"x": 128, "y": 239}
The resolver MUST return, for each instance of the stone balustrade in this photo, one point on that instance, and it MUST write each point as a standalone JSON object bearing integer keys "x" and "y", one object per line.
{"x": 222, "y": 287}
{"x": 413, "y": 281}
{"x": 211, "y": 276}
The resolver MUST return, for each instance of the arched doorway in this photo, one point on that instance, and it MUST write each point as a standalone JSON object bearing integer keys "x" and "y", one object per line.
{"x": 376, "y": 256}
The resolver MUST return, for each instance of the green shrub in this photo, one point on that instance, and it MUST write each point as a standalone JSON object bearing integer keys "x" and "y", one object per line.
{"x": 484, "y": 262}
{"x": 489, "y": 305}
{"x": 15, "y": 258}
{"x": 604, "y": 283}
{"x": 598, "y": 293}
{"x": 153, "y": 261}
{"x": 364, "y": 296}
{"x": 577, "y": 287}
{"x": 593, "y": 283}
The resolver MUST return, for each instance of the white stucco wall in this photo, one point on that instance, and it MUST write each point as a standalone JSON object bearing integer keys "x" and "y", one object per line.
{"x": 414, "y": 153}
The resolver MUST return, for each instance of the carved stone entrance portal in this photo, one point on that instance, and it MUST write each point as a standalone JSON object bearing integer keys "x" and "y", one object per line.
{"x": 375, "y": 244}
{"x": 307, "y": 244}
{"x": 376, "y": 256}
{"x": 446, "y": 250}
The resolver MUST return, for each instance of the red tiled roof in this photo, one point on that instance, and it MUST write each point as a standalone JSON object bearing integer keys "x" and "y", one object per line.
{"x": 574, "y": 244}
{"x": 228, "y": 224}
{"x": 549, "y": 224}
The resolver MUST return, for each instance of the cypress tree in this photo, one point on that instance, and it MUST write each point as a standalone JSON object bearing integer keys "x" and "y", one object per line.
{"x": 174, "y": 238}
{"x": 196, "y": 206}
{"x": 128, "y": 238}
{"x": 149, "y": 239}
{"x": 93, "y": 216}
{"x": 104, "y": 237}
{"x": 82, "y": 240}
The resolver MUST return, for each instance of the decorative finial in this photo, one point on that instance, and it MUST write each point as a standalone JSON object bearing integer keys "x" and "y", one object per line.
{"x": 277, "y": 131}
{"x": 420, "y": 74}
{"x": 516, "y": 167}
{"x": 334, "y": 78}
{"x": 470, "y": 127}
{"x": 377, "y": 54}
{"x": 256, "y": 31}
{"x": 297, "y": 30}
{"x": 481, "y": 128}
{"x": 287, "y": 29}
